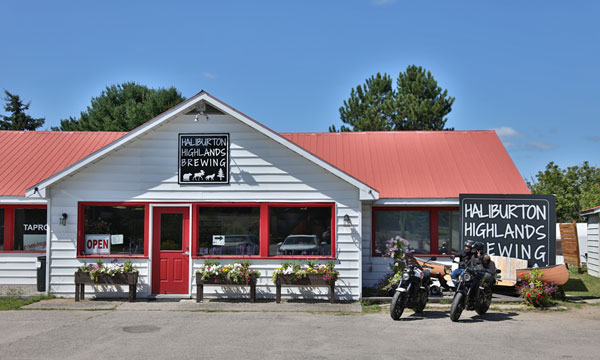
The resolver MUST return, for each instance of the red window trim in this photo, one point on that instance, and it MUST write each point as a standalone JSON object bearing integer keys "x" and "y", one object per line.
{"x": 433, "y": 225}
{"x": 264, "y": 230}
{"x": 80, "y": 234}
{"x": 9, "y": 227}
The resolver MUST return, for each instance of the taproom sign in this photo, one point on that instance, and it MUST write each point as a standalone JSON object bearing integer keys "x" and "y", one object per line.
{"x": 516, "y": 226}
{"x": 203, "y": 159}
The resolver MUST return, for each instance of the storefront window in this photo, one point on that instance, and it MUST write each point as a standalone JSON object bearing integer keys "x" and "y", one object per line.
{"x": 1, "y": 229}
{"x": 228, "y": 230}
{"x": 410, "y": 225}
{"x": 113, "y": 230}
{"x": 30, "y": 230}
{"x": 300, "y": 231}
{"x": 448, "y": 231}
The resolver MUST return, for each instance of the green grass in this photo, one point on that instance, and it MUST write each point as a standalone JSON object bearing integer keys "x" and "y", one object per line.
{"x": 582, "y": 285}
{"x": 13, "y": 303}
{"x": 370, "y": 308}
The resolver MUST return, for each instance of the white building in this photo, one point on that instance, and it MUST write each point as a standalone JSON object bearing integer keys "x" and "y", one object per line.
{"x": 159, "y": 194}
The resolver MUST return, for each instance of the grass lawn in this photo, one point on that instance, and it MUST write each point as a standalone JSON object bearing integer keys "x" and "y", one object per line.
{"x": 582, "y": 285}
{"x": 16, "y": 303}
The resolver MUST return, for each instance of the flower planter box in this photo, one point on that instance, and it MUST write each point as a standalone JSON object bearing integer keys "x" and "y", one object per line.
{"x": 83, "y": 278}
{"x": 311, "y": 280}
{"x": 222, "y": 282}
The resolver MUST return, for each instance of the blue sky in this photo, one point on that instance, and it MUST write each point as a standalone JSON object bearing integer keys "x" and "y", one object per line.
{"x": 529, "y": 69}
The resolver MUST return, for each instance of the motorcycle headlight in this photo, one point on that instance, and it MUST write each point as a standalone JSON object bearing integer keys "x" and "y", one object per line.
{"x": 405, "y": 276}
{"x": 467, "y": 276}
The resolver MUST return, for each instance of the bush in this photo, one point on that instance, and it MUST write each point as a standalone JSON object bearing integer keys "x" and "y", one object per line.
{"x": 535, "y": 292}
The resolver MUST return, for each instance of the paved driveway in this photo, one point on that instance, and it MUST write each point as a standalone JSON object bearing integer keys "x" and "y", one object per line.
{"x": 158, "y": 334}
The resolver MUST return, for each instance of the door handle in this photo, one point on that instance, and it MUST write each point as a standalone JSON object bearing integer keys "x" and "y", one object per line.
{"x": 186, "y": 253}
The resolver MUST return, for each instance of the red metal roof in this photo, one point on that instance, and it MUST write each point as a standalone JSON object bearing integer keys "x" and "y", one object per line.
{"x": 404, "y": 164}
{"x": 29, "y": 157}
{"x": 419, "y": 164}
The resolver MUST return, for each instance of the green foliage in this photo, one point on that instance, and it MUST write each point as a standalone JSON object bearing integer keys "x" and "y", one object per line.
{"x": 299, "y": 271}
{"x": 417, "y": 103}
{"x": 576, "y": 188}
{"x": 18, "y": 119}
{"x": 238, "y": 273}
{"x": 122, "y": 107}
{"x": 534, "y": 291}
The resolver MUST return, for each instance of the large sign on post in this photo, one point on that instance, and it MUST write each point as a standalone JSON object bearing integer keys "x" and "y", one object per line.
{"x": 516, "y": 226}
{"x": 203, "y": 159}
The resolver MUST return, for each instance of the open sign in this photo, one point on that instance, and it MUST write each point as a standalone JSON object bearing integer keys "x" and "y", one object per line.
{"x": 98, "y": 244}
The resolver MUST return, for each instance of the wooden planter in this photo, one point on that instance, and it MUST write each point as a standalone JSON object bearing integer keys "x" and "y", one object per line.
{"x": 83, "y": 278}
{"x": 311, "y": 280}
{"x": 222, "y": 282}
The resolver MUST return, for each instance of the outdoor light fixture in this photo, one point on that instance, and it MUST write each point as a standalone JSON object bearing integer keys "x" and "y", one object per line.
{"x": 63, "y": 219}
{"x": 199, "y": 109}
{"x": 347, "y": 221}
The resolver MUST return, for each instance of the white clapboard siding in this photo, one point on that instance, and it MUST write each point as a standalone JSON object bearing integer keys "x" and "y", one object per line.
{"x": 593, "y": 245}
{"x": 261, "y": 170}
{"x": 18, "y": 268}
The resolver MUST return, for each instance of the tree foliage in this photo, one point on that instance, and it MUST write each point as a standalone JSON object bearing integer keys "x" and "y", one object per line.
{"x": 576, "y": 188}
{"x": 417, "y": 103}
{"x": 17, "y": 118}
{"x": 122, "y": 107}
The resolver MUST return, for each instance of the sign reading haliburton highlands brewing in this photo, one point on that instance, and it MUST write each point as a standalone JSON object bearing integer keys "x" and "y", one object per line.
{"x": 203, "y": 159}
{"x": 516, "y": 226}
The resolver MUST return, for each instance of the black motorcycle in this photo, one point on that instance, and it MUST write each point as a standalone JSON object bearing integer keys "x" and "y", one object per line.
{"x": 413, "y": 289}
{"x": 473, "y": 292}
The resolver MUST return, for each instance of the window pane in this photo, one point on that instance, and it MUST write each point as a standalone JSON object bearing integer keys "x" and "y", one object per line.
{"x": 228, "y": 230}
{"x": 171, "y": 232}
{"x": 300, "y": 231}
{"x": 30, "y": 230}
{"x": 124, "y": 225}
{"x": 448, "y": 231}
{"x": 1, "y": 229}
{"x": 410, "y": 225}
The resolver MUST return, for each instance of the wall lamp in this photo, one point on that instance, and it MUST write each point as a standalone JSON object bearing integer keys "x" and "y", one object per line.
{"x": 347, "y": 221}
{"x": 201, "y": 110}
{"x": 63, "y": 219}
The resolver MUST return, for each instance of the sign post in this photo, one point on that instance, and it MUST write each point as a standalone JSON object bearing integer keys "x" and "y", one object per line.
{"x": 516, "y": 226}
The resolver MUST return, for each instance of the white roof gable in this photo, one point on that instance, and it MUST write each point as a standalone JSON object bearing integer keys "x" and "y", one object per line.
{"x": 366, "y": 192}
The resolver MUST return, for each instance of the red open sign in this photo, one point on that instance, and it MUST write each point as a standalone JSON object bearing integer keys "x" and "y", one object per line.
{"x": 98, "y": 244}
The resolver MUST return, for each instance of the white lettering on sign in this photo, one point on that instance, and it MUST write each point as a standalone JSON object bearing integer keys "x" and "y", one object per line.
{"x": 35, "y": 227}
{"x": 98, "y": 244}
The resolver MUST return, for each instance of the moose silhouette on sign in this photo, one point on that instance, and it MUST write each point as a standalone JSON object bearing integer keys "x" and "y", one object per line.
{"x": 198, "y": 175}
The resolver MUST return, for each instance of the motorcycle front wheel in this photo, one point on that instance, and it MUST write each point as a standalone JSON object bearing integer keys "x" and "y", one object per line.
{"x": 485, "y": 304}
{"x": 457, "y": 306}
{"x": 398, "y": 305}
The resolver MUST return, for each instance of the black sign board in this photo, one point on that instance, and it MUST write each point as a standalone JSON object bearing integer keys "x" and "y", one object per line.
{"x": 516, "y": 226}
{"x": 203, "y": 159}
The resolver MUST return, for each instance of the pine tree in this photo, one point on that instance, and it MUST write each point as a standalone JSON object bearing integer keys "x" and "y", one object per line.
{"x": 220, "y": 174}
{"x": 417, "y": 103}
{"x": 18, "y": 119}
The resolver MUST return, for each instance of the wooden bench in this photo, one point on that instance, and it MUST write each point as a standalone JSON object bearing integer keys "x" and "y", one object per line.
{"x": 311, "y": 280}
{"x": 222, "y": 282}
{"x": 83, "y": 278}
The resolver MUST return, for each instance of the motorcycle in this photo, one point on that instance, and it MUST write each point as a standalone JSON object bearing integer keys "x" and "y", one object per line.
{"x": 473, "y": 292}
{"x": 413, "y": 289}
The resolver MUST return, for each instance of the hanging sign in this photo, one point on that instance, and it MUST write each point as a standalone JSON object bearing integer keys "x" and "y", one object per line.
{"x": 203, "y": 159}
{"x": 97, "y": 244}
{"x": 516, "y": 226}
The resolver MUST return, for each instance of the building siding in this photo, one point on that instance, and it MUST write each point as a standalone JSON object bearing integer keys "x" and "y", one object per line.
{"x": 261, "y": 170}
{"x": 592, "y": 246}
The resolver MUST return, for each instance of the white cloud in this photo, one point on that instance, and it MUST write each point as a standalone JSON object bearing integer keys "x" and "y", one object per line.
{"x": 507, "y": 131}
{"x": 382, "y": 2}
{"x": 209, "y": 75}
{"x": 538, "y": 145}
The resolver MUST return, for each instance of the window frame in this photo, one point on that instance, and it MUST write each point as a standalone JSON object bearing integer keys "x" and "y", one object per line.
{"x": 433, "y": 225}
{"x": 263, "y": 237}
{"x": 9, "y": 226}
{"x": 80, "y": 230}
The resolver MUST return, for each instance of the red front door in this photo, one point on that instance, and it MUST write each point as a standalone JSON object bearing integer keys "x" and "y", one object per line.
{"x": 170, "y": 250}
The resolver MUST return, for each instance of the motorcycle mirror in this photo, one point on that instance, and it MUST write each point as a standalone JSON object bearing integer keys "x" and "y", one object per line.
{"x": 433, "y": 258}
{"x": 498, "y": 271}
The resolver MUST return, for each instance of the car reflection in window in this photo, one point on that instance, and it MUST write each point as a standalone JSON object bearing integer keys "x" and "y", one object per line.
{"x": 301, "y": 245}
{"x": 239, "y": 245}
